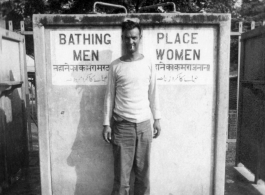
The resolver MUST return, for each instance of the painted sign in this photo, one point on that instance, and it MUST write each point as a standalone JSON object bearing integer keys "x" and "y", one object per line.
{"x": 181, "y": 55}
{"x": 83, "y": 57}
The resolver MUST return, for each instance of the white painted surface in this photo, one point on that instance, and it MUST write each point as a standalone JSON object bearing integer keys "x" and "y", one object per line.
{"x": 183, "y": 55}
{"x": 11, "y": 62}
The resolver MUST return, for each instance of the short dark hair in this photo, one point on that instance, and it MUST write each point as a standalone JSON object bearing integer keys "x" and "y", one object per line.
{"x": 129, "y": 25}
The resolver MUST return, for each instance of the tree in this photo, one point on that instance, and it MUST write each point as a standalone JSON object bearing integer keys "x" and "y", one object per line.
{"x": 82, "y": 6}
{"x": 29, "y": 7}
{"x": 253, "y": 10}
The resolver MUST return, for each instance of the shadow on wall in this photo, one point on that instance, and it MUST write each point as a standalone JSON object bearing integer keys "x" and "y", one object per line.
{"x": 91, "y": 156}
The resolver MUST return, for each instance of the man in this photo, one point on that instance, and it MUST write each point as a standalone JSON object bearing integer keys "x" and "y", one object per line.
{"x": 131, "y": 91}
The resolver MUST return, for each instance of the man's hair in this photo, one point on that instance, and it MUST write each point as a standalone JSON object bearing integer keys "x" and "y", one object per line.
{"x": 129, "y": 25}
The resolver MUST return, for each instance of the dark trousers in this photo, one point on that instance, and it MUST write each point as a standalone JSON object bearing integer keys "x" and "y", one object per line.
{"x": 131, "y": 150}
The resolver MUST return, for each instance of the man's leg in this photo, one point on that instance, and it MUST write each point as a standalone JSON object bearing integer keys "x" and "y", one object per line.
{"x": 142, "y": 158}
{"x": 123, "y": 139}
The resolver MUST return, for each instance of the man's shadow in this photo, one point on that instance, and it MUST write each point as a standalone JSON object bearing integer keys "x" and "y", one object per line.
{"x": 90, "y": 155}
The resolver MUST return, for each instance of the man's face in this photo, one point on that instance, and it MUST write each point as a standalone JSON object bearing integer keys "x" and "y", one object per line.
{"x": 131, "y": 40}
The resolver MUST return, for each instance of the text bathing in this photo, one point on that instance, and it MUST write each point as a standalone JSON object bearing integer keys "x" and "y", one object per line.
{"x": 85, "y": 39}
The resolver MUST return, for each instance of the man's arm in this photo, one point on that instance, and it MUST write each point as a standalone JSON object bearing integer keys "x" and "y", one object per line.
{"x": 108, "y": 105}
{"x": 154, "y": 102}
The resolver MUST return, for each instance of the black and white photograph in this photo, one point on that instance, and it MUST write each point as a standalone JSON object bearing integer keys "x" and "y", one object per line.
{"x": 132, "y": 97}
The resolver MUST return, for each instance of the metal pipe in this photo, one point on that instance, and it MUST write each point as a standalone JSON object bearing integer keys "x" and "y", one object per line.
{"x": 158, "y": 5}
{"x": 108, "y": 4}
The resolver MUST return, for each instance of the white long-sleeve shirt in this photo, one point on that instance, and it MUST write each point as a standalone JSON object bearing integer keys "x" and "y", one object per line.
{"x": 131, "y": 91}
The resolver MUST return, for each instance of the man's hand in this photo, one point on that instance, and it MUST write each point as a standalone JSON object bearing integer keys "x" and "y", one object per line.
{"x": 106, "y": 133}
{"x": 157, "y": 128}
